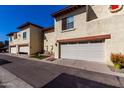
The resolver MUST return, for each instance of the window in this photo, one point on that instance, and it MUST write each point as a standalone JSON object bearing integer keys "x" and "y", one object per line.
{"x": 10, "y": 38}
{"x": 24, "y": 35}
{"x": 15, "y": 35}
{"x": 68, "y": 23}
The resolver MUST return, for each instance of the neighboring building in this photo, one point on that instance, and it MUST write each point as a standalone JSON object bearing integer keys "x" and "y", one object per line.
{"x": 89, "y": 32}
{"x": 28, "y": 40}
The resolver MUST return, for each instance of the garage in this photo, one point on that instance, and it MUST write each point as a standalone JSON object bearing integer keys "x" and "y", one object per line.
{"x": 23, "y": 49}
{"x": 13, "y": 49}
{"x": 90, "y": 50}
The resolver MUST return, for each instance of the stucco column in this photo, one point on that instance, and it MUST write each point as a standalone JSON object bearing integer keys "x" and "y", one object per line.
{"x": 57, "y": 50}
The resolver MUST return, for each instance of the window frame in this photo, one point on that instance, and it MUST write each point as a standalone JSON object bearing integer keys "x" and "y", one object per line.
{"x": 10, "y": 38}
{"x": 24, "y": 35}
{"x": 65, "y": 23}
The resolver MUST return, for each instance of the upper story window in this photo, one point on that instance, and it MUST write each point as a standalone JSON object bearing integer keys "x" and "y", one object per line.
{"x": 68, "y": 23}
{"x": 15, "y": 35}
{"x": 24, "y": 35}
{"x": 10, "y": 38}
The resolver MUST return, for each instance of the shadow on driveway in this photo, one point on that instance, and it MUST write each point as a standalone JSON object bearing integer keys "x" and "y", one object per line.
{"x": 69, "y": 81}
{"x": 3, "y": 62}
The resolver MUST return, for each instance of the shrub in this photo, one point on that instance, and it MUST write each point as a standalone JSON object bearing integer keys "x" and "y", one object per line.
{"x": 117, "y": 66}
{"x": 117, "y": 59}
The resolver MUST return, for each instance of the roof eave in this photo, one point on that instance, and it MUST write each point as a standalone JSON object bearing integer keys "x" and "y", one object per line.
{"x": 28, "y": 24}
{"x": 66, "y": 10}
{"x": 10, "y": 34}
{"x": 49, "y": 28}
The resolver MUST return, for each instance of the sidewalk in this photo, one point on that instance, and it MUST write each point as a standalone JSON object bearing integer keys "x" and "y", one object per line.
{"x": 80, "y": 64}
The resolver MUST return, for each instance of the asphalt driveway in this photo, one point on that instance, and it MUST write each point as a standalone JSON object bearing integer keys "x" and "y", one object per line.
{"x": 40, "y": 74}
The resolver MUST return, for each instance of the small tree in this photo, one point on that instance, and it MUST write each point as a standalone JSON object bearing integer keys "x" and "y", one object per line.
{"x": 1, "y": 44}
{"x": 6, "y": 43}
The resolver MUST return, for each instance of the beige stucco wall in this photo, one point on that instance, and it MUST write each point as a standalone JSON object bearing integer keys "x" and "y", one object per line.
{"x": 106, "y": 23}
{"x": 103, "y": 11}
{"x": 79, "y": 25}
{"x": 36, "y": 40}
{"x": 49, "y": 42}
{"x": 111, "y": 25}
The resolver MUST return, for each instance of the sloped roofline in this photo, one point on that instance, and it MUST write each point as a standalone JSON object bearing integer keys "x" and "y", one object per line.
{"x": 48, "y": 28}
{"x": 28, "y": 24}
{"x": 11, "y": 33}
{"x": 24, "y": 25}
{"x": 66, "y": 10}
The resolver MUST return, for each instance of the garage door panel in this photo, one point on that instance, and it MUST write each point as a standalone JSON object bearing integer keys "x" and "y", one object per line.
{"x": 13, "y": 49}
{"x": 90, "y": 51}
{"x": 23, "y": 49}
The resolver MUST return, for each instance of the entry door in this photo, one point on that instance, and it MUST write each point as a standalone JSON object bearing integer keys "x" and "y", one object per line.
{"x": 83, "y": 51}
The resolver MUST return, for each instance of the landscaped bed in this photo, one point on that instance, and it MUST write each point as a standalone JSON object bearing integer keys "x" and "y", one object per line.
{"x": 118, "y": 61}
{"x": 39, "y": 56}
{"x": 42, "y": 56}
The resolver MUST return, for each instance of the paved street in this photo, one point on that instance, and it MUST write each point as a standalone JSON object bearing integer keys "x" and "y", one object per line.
{"x": 9, "y": 80}
{"x": 41, "y": 74}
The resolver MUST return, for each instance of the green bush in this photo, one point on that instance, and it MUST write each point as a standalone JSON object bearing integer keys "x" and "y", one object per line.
{"x": 117, "y": 59}
{"x": 38, "y": 56}
{"x": 117, "y": 66}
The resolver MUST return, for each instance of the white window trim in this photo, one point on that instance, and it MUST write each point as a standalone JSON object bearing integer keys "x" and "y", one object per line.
{"x": 70, "y": 29}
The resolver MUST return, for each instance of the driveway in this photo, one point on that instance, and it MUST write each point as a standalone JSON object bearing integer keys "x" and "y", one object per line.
{"x": 47, "y": 75}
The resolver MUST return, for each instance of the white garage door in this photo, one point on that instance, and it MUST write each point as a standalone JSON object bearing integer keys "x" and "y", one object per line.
{"x": 23, "y": 49}
{"x": 83, "y": 51}
{"x": 13, "y": 50}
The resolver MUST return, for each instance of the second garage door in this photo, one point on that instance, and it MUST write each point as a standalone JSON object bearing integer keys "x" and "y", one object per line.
{"x": 24, "y": 49}
{"x": 13, "y": 50}
{"x": 83, "y": 51}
